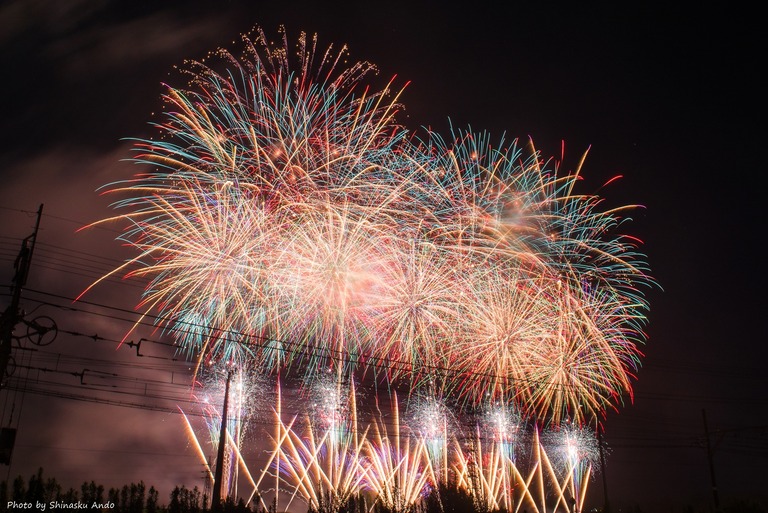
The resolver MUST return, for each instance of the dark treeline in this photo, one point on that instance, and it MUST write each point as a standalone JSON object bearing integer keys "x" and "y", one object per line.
{"x": 45, "y": 494}
{"x": 31, "y": 495}
{"x": 39, "y": 492}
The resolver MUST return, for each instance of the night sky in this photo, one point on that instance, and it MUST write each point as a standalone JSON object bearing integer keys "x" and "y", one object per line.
{"x": 670, "y": 99}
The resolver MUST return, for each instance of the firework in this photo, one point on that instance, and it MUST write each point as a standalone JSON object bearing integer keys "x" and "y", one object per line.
{"x": 286, "y": 220}
{"x": 245, "y": 389}
{"x": 259, "y": 196}
{"x": 399, "y": 465}
{"x": 321, "y": 465}
{"x": 573, "y": 449}
{"x": 502, "y": 462}
{"x": 332, "y": 407}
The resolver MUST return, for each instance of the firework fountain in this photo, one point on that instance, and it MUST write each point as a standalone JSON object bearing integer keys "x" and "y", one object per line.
{"x": 287, "y": 223}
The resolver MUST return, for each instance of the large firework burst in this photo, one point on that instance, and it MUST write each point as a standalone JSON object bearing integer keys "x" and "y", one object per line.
{"x": 286, "y": 219}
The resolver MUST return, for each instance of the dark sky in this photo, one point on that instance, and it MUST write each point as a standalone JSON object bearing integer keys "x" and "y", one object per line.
{"x": 669, "y": 98}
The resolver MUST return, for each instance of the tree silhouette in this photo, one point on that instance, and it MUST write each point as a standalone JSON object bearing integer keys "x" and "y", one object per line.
{"x": 91, "y": 492}
{"x": 184, "y": 500}
{"x": 19, "y": 490}
{"x": 152, "y": 500}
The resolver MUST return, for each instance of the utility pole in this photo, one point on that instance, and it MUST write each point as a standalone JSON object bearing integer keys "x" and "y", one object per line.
{"x": 8, "y": 320}
{"x": 10, "y": 317}
{"x": 711, "y": 462}
{"x": 216, "y": 503}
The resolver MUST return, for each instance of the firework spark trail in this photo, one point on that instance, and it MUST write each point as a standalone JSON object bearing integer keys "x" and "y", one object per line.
{"x": 488, "y": 469}
{"x": 193, "y": 438}
{"x": 322, "y": 467}
{"x": 574, "y": 449}
{"x": 399, "y": 465}
{"x": 485, "y": 474}
{"x": 284, "y": 203}
{"x": 418, "y": 311}
{"x": 507, "y": 336}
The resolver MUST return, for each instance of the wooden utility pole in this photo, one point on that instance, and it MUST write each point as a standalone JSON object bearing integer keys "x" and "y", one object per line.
{"x": 10, "y": 317}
